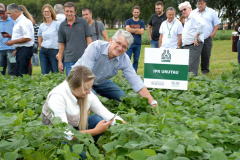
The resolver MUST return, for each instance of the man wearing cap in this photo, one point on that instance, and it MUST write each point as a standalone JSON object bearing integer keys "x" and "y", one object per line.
{"x": 22, "y": 39}
{"x": 6, "y": 27}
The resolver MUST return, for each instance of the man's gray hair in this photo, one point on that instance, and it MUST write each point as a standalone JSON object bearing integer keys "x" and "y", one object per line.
{"x": 14, "y": 6}
{"x": 171, "y": 9}
{"x": 184, "y": 4}
{"x": 126, "y": 35}
{"x": 59, "y": 8}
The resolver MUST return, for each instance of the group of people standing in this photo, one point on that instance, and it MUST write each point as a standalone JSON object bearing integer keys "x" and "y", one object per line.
{"x": 195, "y": 32}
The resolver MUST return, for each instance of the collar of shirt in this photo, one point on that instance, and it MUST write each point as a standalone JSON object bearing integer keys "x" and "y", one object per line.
{"x": 105, "y": 53}
{"x": 77, "y": 20}
{"x": 205, "y": 10}
{"x": 189, "y": 17}
{"x": 18, "y": 19}
{"x": 172, "y": 21}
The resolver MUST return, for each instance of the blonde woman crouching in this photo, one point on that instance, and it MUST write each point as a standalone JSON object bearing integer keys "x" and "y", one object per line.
{"x": 71, "y": 101}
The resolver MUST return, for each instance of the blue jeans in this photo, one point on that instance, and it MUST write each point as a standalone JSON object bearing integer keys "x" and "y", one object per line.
{"x": 68, "y": 66}
{"x": 154, "y": 44}
{"x": 5, "y": 63}
{"x": 135, "y": 49}
{"x": 108, "y": 89}
{"x": 23, "y": 57}
{"x": 48, "y": 60}
{"x": 93, "y": 120}
{"x": 238, "y": 49}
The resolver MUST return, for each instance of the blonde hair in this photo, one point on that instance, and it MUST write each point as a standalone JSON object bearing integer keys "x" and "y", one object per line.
{"x": 53, "y": 15}
{"x": 76, "y": 78}
{"x": 26, "y": 13}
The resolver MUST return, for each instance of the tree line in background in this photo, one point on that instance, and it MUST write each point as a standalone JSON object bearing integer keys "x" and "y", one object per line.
{"x": 110, "y": 11}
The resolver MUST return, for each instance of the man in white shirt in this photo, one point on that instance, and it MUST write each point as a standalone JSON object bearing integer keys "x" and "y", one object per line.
{"x": 192, "y": 36}
{"x": 170, "y": 31}
{"x": 22, "y": 39}
{"x": 59, "y": 11}
{"x": 211, "y": 26}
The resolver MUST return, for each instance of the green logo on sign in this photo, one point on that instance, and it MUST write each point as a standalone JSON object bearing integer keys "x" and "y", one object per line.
{"x": 166, "y": 56}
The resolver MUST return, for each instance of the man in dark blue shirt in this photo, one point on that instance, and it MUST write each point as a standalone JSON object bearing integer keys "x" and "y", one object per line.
{"x": 135, "y": 26}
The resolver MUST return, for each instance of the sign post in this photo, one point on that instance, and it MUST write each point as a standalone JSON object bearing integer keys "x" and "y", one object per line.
{"x": 166, "y": 68}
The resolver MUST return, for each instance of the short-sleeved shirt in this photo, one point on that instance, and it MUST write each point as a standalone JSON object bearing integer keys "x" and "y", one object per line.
{"x": 174, "y": 28}
{"x": 23, "y": 28}
{"x": 156, "y": 22}
{"x": 193, "y": 25}
{"x": 96, "y": 59}
{"x": 74, "y": 38}
{"x": 100, "y": 29}
{"x": 49, "y": 35}
{"x": 6, "y": 26}
{"x": 137, "y": 25}
{"x": 210, "y": 19}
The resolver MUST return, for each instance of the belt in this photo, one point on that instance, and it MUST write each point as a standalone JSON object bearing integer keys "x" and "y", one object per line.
{"x": 17, "y": 48}
{"x": 188, "y": 45}
{"x": 191, "y": 44}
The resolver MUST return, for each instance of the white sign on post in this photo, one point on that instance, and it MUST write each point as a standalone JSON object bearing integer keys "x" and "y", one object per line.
{"x": 166, "y": 68}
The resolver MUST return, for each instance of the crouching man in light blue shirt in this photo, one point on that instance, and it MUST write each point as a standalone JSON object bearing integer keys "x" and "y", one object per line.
{"x": 105, "y": 59}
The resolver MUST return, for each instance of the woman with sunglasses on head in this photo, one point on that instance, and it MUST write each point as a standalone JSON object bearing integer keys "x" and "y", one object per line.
{"x": 71, "y": 101}
{"x": 48, "y": 40}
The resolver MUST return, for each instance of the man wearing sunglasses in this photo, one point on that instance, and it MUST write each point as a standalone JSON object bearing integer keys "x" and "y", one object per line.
{"x": 105, "y": 59}
{"x": 211, "y": 26}
{"x": 192, "y": 35}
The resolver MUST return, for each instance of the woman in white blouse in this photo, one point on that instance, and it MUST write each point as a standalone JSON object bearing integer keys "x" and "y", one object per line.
{"x": 48, "y": 40}
{"x": 71, "y": 101}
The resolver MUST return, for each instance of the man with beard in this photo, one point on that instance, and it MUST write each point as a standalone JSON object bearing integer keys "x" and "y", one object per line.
{"x": 135, "y": 26}
{"x": 211, "y": 26}
{"x": 192, "y": 35}
{"x": 105, "y": 59}
{"x": 155, "y": 23}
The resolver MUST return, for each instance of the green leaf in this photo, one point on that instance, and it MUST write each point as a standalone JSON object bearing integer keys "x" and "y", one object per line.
{"x": 10, "y": 156}
{"x": 172, "y": 144}
{"x": 137, "y": 154}
{"x": 67, "y": 152}
{"x": 150, "y": 152}
{"x": 180, "y": 149}
{"x": 30, "y": 112}
{"x": 93, "y": 150}
{"x": 77, "y": 148}
{"x": 218, "y": 155}
{"x": 190, "y": 141}
{"x": 109, "y": 147}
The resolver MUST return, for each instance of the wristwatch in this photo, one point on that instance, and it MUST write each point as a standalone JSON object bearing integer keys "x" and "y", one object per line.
{"x": 153, "y": 102}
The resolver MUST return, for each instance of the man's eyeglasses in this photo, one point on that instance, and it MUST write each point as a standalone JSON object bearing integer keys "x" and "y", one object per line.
{"x": 183, "y": 9}
{"x": 119, "y": 44}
